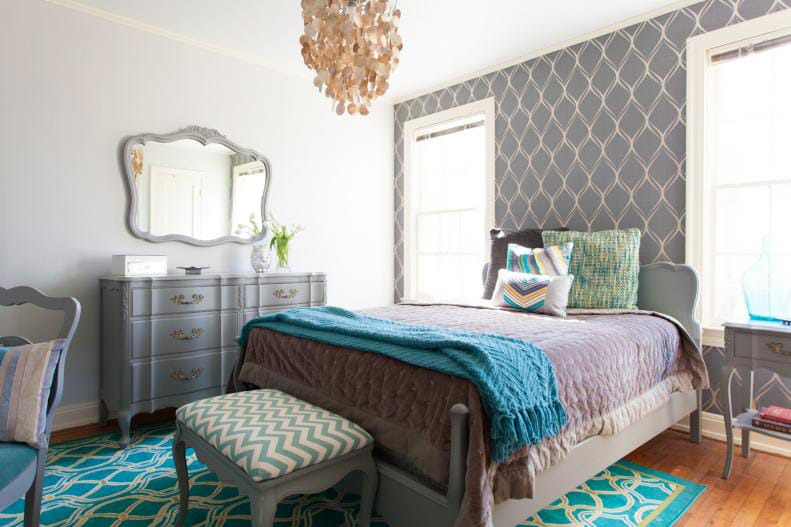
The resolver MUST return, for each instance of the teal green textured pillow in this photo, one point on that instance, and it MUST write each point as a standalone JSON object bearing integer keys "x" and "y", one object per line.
{"x": 605, "y": 264}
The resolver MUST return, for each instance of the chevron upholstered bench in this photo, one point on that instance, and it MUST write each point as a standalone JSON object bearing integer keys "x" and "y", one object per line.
{"x": 272, "y": 445}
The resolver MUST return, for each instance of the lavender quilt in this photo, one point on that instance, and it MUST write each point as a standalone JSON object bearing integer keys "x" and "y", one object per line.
{"x": 612, "y": 369}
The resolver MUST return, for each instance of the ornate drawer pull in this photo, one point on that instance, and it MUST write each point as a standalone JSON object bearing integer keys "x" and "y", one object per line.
{"x": 179, "y": 334}
{"x": 280, "y": 293}
{"x": 777, "y": 347}
{"x": 179, "y": 375}
{"x": 182, "y": 300}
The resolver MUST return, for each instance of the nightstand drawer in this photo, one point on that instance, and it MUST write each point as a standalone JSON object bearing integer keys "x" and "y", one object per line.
{"x": 762, "y": 346}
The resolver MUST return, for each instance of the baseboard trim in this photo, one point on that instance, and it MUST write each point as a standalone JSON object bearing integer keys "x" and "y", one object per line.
{"x": 74, "y": 415}
{"x": 713, "y": 427}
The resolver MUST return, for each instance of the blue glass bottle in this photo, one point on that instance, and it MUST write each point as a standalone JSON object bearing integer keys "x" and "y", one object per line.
{"x": 767, "y": 287}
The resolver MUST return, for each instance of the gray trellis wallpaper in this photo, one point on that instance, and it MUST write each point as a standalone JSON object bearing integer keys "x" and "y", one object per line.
{"x": 593, "y": 137}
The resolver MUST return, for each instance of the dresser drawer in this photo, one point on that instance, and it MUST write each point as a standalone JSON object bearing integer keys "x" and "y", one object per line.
{"x": 175, "y": 300}
{"x": 276, "y": 295}
{"x": 772, "y": 347}
{"x": 169, "y": 377}
{"x": 163, "y": 336}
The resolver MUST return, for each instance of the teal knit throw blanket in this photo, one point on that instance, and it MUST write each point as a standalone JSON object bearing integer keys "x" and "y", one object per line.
{"x": 515, "y": 379}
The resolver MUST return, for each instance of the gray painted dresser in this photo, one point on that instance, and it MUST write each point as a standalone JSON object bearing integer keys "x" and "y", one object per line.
{"x": 169, "y": 340}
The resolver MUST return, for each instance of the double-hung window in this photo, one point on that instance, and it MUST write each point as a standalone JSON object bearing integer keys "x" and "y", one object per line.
{"x": 739, "y": 156}
{"x": 448, "y": 201}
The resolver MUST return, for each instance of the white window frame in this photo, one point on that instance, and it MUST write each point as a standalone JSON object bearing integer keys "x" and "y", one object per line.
{"x": 411, "y": 128}
{"x": 698, "y": 210}
{"x": 235, "y": 176}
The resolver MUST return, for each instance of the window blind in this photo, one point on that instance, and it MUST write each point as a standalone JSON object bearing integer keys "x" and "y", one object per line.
{"x": 749, "y": 49}
{"x": 447, "y": 131}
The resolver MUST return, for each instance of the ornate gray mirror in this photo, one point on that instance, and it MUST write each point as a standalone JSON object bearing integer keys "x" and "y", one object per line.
{"x": 195, "y": 186}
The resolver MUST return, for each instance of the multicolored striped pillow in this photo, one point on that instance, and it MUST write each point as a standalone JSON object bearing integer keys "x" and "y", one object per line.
{"x": 543, "y": 294}
{"x": 551, "y": 261}
{"x": 25, "y": 380}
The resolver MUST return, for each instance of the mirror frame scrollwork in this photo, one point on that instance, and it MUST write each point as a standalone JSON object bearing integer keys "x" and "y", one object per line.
{"x": 204, "y": 136}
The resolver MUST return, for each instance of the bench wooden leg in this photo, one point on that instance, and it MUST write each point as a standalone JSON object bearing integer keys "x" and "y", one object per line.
{"x": 370, "y": 484}
{"x": 180, "y": 460}
{"x": 263, "y": 509}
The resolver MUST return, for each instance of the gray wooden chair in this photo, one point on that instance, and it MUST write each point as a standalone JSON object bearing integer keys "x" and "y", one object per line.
{"x": 24, "y": 476}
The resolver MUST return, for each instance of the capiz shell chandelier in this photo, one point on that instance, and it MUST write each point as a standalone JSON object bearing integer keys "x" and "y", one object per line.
{"x": 353, "y": 47}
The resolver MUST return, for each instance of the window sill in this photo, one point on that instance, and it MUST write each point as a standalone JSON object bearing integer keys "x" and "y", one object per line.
{"x": 714, "y": 337}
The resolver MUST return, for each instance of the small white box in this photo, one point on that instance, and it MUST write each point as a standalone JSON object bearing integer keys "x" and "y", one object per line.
{"x": 139, "y": 264}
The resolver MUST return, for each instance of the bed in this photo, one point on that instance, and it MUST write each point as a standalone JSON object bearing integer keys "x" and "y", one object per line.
{"x": 623, "y": 377}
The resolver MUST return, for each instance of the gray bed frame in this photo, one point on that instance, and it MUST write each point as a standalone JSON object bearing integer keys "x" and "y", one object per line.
{"x": 671, "y": 289}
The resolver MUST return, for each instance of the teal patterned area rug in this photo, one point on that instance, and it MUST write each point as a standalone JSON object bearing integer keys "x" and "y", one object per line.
{"x": 90, "y": 483}
{"x": 623, "y": 495}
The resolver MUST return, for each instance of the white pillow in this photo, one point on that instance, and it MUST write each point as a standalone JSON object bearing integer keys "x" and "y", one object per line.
{"x": 535, "y": 293}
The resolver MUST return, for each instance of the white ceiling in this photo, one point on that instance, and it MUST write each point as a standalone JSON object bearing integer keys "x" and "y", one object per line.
{"x": 444, "y": 40}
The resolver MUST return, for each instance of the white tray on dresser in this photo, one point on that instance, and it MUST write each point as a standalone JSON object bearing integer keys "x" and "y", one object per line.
{"x": 169, "y": 340}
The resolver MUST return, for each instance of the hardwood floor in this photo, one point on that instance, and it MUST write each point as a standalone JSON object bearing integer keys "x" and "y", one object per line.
{"x": 160, "y": 416}
{"x": 758, "y": 492}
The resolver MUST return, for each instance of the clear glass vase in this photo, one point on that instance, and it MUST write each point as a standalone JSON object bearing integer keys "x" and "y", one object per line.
{"x": 767, "y": 287}
{"x": 260, "y": 258}
{"x": 281, "y": 248}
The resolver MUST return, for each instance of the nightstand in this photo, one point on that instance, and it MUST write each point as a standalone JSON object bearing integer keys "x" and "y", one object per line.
{"x": 751, "y": 346}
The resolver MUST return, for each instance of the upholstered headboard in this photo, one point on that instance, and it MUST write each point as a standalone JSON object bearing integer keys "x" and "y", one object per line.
{"x": 668, "y": 288}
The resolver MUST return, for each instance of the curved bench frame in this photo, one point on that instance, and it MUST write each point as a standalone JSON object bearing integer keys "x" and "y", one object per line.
{"x": 265, "y": 495}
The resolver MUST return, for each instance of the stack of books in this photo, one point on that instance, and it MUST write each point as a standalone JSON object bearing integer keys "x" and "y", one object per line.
{"x": 774, "y": 418}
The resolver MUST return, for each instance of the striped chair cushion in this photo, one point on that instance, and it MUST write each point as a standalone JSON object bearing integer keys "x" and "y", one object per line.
{"x": 269, "y": 434}
{"x": 25, "y": 380}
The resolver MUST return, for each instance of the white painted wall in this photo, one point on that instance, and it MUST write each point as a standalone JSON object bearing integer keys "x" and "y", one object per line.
{"x": 72, "y": 86}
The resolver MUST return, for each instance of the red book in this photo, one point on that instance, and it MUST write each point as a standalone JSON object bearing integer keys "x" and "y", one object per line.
{"x": 776, "y": 413}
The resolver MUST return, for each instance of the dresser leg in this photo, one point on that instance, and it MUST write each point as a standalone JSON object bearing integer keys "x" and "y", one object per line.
{"x": 725, "y": 404}
{"x": 124, "y": 423}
